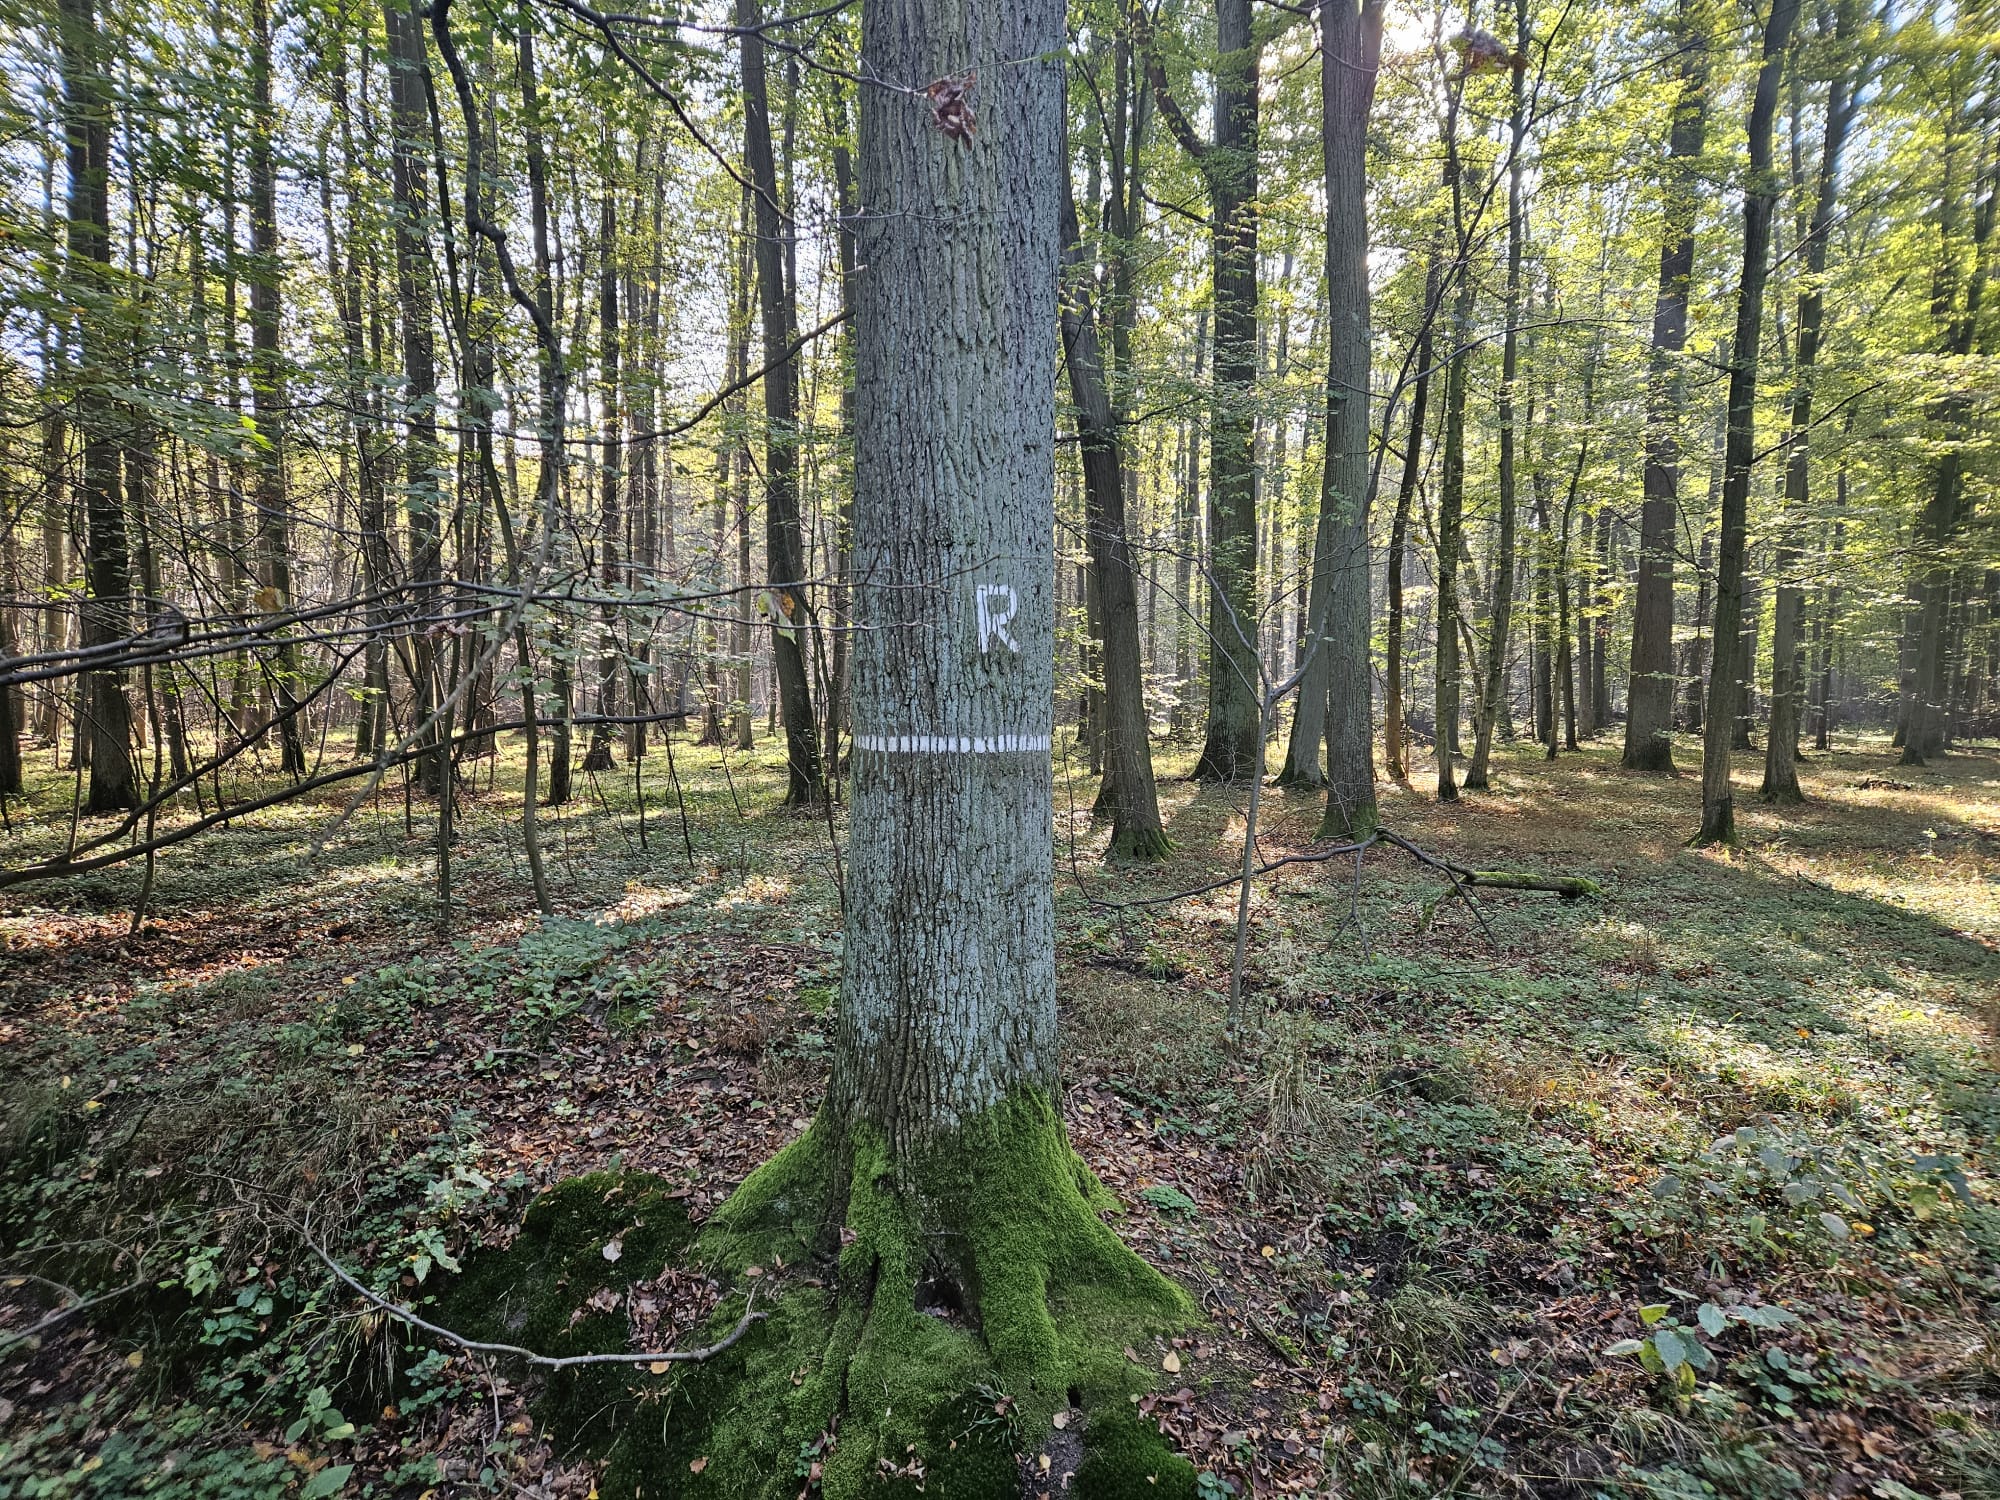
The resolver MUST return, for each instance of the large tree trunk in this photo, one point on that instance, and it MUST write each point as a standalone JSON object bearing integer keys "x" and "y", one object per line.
{"x": 1649, "y": 714}
{"x": 107, "y": 611}
{"x": 1351, "y": 49}
{"x": 784, "y": 549}
{"x": 1718, "y": 805}
{"x": 1501, "y": 621}
{"x": 1781, "y": 743}
{"x": 937, "y": 1172}
{"x": 1129, "y": 794}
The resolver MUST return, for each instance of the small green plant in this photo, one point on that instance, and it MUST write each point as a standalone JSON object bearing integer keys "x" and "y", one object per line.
{"x": 1676, "y": 1351}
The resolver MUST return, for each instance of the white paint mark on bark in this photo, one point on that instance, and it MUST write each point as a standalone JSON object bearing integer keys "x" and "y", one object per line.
{"x": 954, "y": 744}
{"x": 993, "y": 616}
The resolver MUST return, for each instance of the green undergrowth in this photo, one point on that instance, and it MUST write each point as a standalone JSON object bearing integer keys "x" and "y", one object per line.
{"x": 922, "y": 1321}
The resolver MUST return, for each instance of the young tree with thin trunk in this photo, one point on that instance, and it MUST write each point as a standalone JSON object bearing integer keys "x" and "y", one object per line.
{"x": 1129, "y": 795}
{"x": 1760, "y": 191}
{"x": 268, "y": 401}
{"x": 1394, "y": 729}
{"x": 1649, "y": 711}
{"x": 784, "y": 548}
{"x": 1501, "y": 621}
{"x": 1228, "y": 166}
{"x": 107, "y": 611}
{"x": 1781, "y": 742}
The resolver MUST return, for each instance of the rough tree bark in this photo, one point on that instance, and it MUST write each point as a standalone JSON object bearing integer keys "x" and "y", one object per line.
{"x": 1649, "y": 714}
{"x": 1351, "y": 49}
{"x": 937, "y": 1175}
{"x": 1718, "y": 806}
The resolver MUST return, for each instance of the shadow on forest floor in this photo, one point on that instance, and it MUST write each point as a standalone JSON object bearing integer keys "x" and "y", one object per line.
{"x": 1418, "y": 1202}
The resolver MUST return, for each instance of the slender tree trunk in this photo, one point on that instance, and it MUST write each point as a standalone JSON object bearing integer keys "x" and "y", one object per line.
{"x": 1128, "y": 794}
{"x": 1501, "y": 620}
{"x": 1451, "y": 535}
{"x": 422, "y": 493}
{"x": 1350, "y": 53}
{"x": 1649, "y": 711}
{"x": 268, "y": 400}
{"x": 1394, "y": 730}
{"x": 107, "y": 612}
{"x": 1781, "y": 776}
{"x": 784, "y": 549}
{"x": 1228, "y": 164}
{"x": 1718, "y": 806}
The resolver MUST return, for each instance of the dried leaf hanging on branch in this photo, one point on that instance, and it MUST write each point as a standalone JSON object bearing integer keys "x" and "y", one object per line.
{"x": 951, "y": 106}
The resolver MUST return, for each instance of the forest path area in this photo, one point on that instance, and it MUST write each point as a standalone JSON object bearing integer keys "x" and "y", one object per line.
{"x": 1682, "y": 1190}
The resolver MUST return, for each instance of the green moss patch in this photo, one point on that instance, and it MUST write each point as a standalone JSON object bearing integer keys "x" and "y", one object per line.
{"x": 922, "y": 1319}
{"x": 1125, "y": 1458}
{"x": 555, "y": 1290}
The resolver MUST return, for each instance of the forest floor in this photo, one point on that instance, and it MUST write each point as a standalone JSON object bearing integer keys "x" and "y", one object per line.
{"x": 1686, "y": 1190}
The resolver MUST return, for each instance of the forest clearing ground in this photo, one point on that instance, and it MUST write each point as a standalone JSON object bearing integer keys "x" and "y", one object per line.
{"x": 1418, "y": 1204}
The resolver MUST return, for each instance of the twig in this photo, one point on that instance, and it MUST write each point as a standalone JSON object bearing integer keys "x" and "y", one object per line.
{"x": 545, "y": 1361}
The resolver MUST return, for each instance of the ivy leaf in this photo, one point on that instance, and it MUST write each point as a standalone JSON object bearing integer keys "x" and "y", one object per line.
{"x": 1711, "y": 1319}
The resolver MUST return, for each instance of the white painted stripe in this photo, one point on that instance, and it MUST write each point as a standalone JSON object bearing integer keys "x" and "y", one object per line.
{"x": 953, "y": 744}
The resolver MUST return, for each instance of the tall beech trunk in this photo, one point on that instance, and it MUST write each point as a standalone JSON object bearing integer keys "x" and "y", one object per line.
{"x": 1350, "y": 52}
{"x": 1232, "y": 748}
{"x": 1788, "y": 685}
{"x": 107, "y": 612}
{"x": 422, "y": 494}
{"x": 784, "y": 547}
{"x": 1501, "y": 620}
{"x": 610, "y": 464}
{"x": 1451, "y": 534}
{"x": 1394, "y": 730}
{"x": 1718, "y": 804}
{"x": 1649, "y": 712}
{"x": 1937, "y": 529}
{"x": 937, "y": 1172}
{"x": 1128, "y": 794}
{"x": 269, "y": 403}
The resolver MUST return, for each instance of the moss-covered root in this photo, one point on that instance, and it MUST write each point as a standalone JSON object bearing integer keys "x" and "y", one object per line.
{"x": 976, "y": 1292}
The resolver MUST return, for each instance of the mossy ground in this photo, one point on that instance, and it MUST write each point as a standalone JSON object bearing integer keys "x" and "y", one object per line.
{"x": 927, "y": 1318}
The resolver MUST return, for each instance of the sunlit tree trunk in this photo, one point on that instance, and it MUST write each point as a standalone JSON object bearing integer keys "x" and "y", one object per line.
{"x": 1649, "y": 712}
{"x": 1781, "y": 748}
{"x": 1718, "y": 807}
{"x": 784, "y": 550}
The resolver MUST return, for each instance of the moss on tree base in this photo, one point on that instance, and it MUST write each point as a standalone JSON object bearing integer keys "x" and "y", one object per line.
{"x": 927, "y": 1317}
